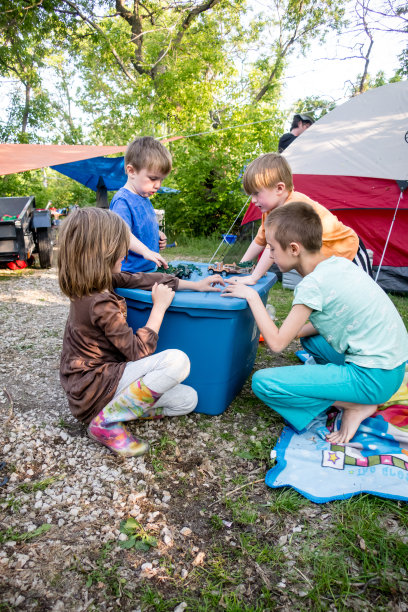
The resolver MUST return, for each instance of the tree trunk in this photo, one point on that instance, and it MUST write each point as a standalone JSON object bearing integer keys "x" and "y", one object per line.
{"x": 26, "y": 111}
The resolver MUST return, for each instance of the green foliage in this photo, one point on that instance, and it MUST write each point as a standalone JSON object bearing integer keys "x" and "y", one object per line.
{"x": 104, "y": 574}
{"x": 314, "y": 106}
{"x": 137, "y": 536}
{"x": 46, "y": 187}
{"x": 41, "y": 485}
{"x": 12, "y": 534}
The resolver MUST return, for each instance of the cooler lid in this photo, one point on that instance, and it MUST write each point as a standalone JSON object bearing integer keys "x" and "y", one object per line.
{"x": 198, "y": 300}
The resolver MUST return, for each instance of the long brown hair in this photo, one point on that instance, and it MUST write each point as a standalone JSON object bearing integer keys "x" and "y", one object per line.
{"x": 90, "y": 241}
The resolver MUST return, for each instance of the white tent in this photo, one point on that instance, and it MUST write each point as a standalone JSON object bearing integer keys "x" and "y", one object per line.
{"x": 354, "y": 161}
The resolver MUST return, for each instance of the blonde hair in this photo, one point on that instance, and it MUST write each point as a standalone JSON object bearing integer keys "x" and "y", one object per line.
{"x": 150, "y": 154}
{"x": 296, "y": 222}
{"x": 266, "y": 172}
{"x": 91, "y": 240}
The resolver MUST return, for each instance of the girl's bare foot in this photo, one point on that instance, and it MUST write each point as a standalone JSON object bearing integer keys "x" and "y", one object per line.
{"x": 353, "y": 415}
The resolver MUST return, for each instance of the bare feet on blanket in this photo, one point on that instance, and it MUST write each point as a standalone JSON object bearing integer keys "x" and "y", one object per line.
{"x": 353, "y": 415}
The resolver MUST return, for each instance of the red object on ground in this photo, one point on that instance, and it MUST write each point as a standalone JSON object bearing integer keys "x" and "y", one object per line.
{"x": 19, "y": 264}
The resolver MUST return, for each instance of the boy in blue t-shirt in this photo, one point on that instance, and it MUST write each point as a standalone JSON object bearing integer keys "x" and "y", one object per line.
{"x": 147, "y": 163}
{"x": 355, "y": 334}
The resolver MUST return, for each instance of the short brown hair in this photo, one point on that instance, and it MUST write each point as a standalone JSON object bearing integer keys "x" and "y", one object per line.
{"x": 148, "y": 153}
{"x": 296, "y": 222}
{"x": 267, "y": 171}
{"x": 90, "y": 241}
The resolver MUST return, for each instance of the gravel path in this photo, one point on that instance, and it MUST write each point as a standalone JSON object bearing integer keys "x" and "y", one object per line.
{"x": 190, "y": 526}
{"x": 66, "y": 496}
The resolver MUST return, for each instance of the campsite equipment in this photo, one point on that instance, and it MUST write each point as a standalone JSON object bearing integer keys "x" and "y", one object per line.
{"x": 229, "y": 238}
{"x": 218, "y": 334}
{"x": 24, "y": 230}
{"x": 219, "y": 267}
{"x": 354, "y": 161}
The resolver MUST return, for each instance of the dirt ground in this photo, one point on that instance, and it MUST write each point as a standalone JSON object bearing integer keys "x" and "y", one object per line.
{"x": 199, "y": 532}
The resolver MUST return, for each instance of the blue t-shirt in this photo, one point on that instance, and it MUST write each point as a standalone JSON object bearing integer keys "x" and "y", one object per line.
{"x": 354, "y": 314}
{"x": 139, "y": 214}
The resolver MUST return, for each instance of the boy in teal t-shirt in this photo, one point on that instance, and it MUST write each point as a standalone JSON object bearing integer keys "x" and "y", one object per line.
{"x": 354, "y": 333}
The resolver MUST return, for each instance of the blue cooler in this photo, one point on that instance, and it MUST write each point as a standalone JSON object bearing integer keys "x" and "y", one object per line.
{"x": 218, "y": 334}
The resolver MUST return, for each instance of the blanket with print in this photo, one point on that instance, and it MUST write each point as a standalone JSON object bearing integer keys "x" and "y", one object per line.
{"x": 374, "y": 461}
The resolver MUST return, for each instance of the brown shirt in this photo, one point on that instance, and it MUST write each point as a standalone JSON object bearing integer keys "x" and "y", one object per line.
{"x": 98, "y": 343}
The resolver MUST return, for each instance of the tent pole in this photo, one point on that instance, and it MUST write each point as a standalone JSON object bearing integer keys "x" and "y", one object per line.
{"x": 391, "y": 226}
{"x": 233, "y": 223}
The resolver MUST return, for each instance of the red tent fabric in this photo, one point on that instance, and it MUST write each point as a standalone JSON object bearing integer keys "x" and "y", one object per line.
{"x": 367, "y": 205}
{"x": 354, "y": 161}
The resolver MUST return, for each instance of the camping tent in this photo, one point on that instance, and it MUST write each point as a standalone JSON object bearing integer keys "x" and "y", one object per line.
{"x": 354, "y": 161}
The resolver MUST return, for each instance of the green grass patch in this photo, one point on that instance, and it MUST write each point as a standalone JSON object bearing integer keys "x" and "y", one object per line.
{"x": 15, "y": 536}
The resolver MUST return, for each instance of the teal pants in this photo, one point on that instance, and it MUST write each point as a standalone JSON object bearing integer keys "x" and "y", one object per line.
{"x": 300, "y": 393}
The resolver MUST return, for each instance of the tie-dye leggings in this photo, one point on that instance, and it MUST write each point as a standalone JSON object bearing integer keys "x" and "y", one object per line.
{"x": 150, "y": 388}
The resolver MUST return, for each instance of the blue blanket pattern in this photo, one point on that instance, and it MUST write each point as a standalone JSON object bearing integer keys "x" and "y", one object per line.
{"x": 375, "y": 461}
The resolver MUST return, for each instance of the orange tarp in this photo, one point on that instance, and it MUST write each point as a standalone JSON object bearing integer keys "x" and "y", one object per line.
{"x": 22, "y": 157}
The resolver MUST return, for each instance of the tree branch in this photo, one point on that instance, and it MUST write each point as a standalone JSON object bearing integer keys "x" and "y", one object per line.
{"x": 102, "y": 33}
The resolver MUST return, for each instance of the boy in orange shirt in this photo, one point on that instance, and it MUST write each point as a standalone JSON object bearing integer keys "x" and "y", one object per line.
{"x": 268, "y": 179}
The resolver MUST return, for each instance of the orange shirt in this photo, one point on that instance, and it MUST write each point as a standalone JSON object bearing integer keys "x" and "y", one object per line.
{"x": 338, "y": 239}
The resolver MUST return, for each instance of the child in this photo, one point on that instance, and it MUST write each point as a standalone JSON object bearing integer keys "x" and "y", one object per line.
{"x": 362, "y": 346}
{"x": 147, "y": 163}
{"x": 110, "y": 374}
{"x": 268, "y": 179}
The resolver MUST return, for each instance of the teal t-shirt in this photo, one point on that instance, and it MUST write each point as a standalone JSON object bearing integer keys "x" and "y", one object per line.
{"x": 354, "y": 314}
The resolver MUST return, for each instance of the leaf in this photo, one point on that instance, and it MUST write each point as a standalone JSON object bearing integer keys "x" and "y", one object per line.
{"x": 128, "y": 543}
{"x": 150, "y": 540}
{"x": 142, "y": 546}
{"x": 245, "y": 455}
{"x": 33, "y": 534}
{"x": 129, "y": 526}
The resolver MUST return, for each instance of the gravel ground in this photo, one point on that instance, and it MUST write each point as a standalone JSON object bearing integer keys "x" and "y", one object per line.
{"x": 66, "y": 496}
{"x": 202, "y": 531}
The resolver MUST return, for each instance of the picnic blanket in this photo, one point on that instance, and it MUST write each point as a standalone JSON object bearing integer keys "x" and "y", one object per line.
{"x": 374, "y": 461}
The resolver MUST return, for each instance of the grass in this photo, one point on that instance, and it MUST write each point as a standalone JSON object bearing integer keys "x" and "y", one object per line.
{"x": 195, "y": 249}
{"x": 340, "y": 556}
{"x": 265, "y": 549}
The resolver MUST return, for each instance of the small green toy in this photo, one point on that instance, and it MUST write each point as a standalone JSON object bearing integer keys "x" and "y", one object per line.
{"x": 183, "y": 271}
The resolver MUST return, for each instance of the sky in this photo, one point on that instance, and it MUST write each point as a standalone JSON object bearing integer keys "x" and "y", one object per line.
{"x": 314, "y": 75}
{"x": 324, "y": 73}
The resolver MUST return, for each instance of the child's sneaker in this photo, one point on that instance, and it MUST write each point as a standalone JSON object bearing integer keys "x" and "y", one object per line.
{"x": 118, "y": 439}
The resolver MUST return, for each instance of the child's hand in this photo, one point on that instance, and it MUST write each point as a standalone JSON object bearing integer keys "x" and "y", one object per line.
{"x": 243, "y": 280}
{"x": 238, "y": 290}
{"x": 162, "y": 296}
{"x": 155, "y": 257}
{"x": 162, "y": 240}
{"x": 209, "y": 283}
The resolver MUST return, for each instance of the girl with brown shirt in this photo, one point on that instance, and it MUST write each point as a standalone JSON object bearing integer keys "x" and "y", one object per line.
{"x": 109, "y": 373}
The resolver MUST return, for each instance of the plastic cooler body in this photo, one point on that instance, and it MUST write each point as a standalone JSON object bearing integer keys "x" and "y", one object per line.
{"x": 219, "y": 335}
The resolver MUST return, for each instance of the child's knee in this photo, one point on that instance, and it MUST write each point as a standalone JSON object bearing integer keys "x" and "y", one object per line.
{"x": 177, "y": 364}
{"x": 191, "y": 399}
{"x": 184, "y": 402}
{"x": 258, "y": 382}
